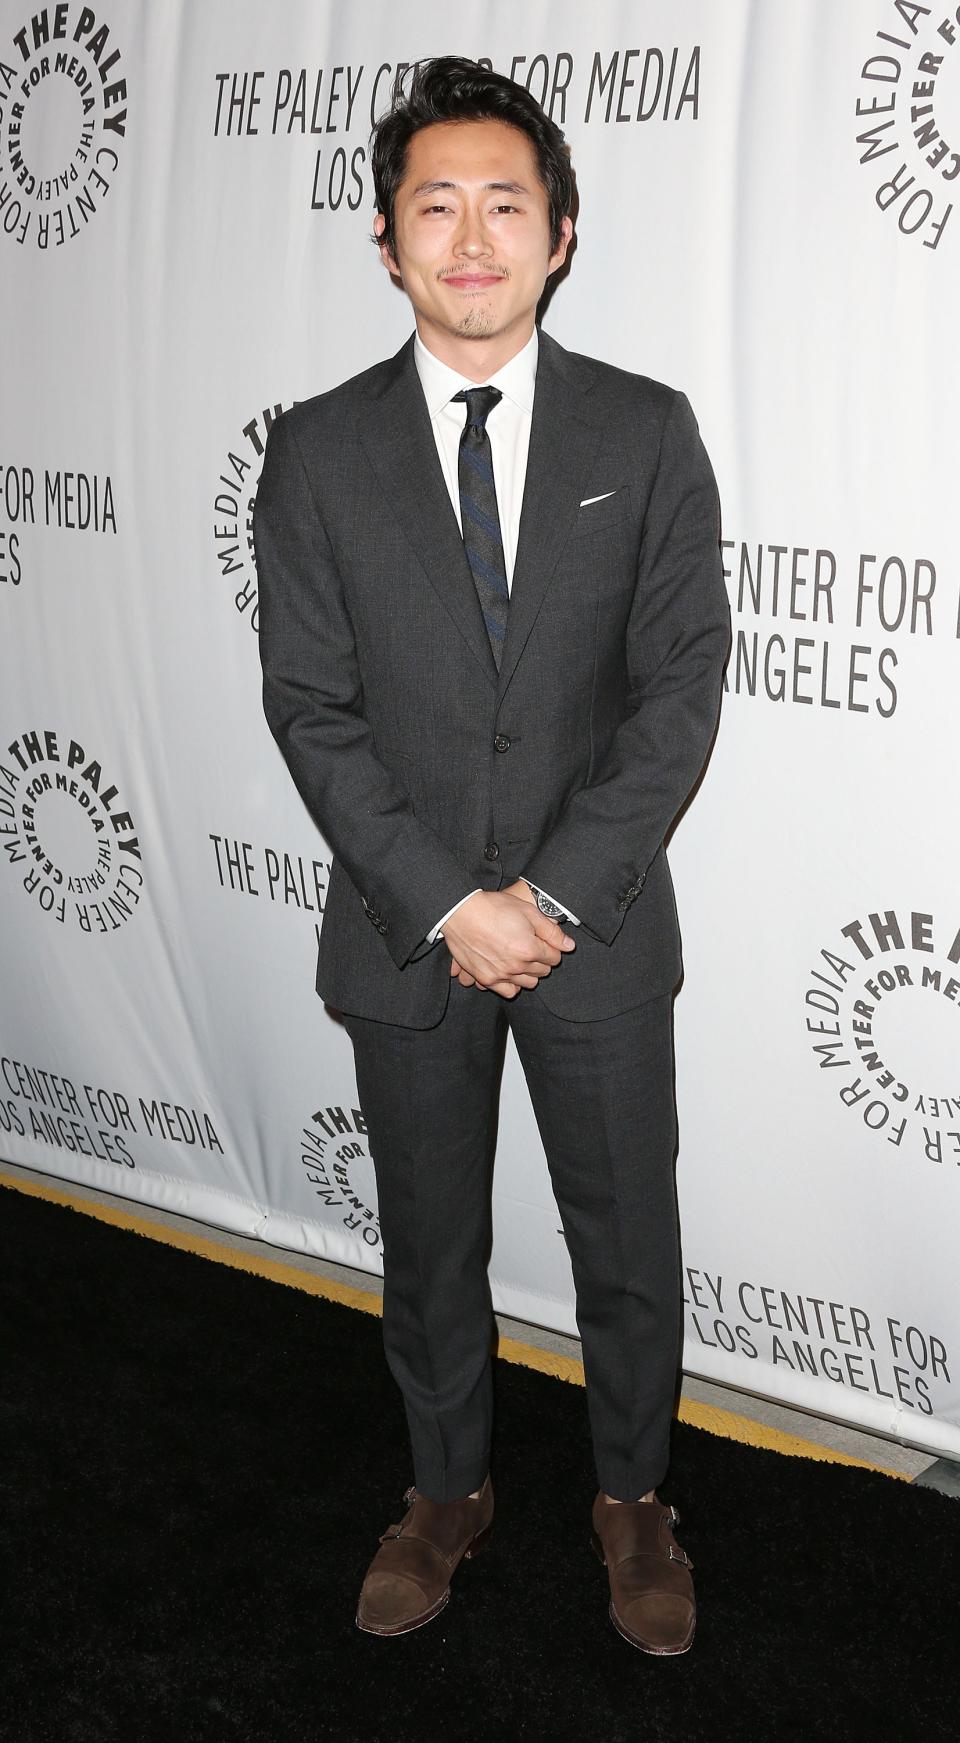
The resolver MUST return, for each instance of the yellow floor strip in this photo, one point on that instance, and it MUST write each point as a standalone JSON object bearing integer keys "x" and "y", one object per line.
{"x": 707, "y": 1416}
{"x": 725, "y": 1423}
{"x": 204, "y": 1246}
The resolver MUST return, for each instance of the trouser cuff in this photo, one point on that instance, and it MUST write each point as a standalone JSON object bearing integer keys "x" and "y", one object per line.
{"x": 452, "y": 1484}
{"x": 629, "y": 1486}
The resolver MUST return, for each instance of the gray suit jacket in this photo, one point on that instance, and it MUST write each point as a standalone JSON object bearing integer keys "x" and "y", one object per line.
{"x": 428, "y": 773}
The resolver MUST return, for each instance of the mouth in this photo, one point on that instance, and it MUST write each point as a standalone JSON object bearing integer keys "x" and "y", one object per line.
{"x": 473, "y": 280}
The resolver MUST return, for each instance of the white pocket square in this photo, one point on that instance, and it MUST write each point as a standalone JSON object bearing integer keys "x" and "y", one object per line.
{"x": 588, "y": 499}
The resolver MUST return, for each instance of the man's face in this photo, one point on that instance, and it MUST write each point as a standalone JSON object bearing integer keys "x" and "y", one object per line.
{"x": 472, "y": 230}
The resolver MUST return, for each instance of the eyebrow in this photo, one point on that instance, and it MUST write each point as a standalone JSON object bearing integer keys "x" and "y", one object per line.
{"x": 492, "y": 187}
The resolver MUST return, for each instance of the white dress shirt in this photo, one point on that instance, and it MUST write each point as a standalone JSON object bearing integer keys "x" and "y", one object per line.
{"x": 508, "y": 425}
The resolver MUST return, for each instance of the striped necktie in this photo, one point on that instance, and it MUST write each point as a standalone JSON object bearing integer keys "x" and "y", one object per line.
{"x": 479, "y": 515}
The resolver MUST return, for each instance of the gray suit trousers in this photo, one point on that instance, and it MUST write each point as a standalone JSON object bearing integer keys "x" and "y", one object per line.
{"x": 603, "y": 1097}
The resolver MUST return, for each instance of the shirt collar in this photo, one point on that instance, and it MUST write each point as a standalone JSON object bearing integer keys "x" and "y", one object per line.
{"x": 516, "y": 380}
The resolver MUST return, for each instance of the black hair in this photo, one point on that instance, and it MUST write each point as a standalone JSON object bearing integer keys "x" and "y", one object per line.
{"x": 449, "y": 88}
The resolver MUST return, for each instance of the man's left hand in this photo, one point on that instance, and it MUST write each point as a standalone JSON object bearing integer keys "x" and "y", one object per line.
{"x": 525, "y": 893}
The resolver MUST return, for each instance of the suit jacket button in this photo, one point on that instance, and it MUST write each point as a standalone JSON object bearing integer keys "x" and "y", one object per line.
{"x": 491, "y": 851}
{"x": 501, "y": 742}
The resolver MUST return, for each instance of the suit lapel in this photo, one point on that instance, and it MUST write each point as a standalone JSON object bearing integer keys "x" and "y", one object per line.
{"x": 563, "y": 444}
{"x": 398, "y": 441}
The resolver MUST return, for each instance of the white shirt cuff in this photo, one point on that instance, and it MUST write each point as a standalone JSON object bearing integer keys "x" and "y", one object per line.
{"x": 437, "y": 932}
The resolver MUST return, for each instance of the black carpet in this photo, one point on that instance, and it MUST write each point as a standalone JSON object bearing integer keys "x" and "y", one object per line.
{"x": 196, "y": 1464}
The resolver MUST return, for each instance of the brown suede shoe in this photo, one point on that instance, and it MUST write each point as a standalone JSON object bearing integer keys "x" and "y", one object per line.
{"x": 408, "y": 1580}
{"x": 651, "y": 1592}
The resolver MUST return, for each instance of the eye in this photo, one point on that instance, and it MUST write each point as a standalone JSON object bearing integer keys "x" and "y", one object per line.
{"x": 505, "y": 208}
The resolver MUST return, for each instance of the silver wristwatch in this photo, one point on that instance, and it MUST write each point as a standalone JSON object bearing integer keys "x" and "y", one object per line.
{"x": 546, "y": 906}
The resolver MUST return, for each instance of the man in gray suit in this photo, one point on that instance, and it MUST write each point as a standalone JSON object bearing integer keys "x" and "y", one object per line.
{"x": 492, "y": 627}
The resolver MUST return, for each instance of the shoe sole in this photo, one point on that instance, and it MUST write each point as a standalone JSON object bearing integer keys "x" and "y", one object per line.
{"x": 473, "y": 1548}
{"x": 634, "y": 1639}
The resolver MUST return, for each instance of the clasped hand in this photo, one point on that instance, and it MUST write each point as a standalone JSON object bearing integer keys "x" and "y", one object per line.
{"x": 499, "y": 940}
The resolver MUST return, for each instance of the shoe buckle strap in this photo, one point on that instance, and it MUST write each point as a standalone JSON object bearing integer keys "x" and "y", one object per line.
{"x": 674, "y": 1553}
{"x": 409, "y": 1496}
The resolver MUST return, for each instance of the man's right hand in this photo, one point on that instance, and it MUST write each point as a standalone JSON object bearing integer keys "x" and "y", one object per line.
{"x": 503, "y": 942}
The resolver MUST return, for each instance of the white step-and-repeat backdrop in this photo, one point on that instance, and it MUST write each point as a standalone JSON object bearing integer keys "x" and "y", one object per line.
{"x": 767, "y": 220}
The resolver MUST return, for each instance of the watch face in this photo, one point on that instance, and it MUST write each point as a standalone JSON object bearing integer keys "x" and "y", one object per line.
{"x": 551, "y": 909}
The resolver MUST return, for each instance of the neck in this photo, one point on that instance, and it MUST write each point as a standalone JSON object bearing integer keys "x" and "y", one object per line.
{"x": 477, "y": 359}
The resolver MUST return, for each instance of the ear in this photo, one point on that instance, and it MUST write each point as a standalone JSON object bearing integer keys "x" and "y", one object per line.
{"x": 559, "y": 254}
{"x": 386, "y": 252}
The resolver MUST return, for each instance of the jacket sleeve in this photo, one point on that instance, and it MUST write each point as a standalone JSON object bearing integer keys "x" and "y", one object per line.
{"x": 678, "y": 636}
{"x": 313, "y": 702}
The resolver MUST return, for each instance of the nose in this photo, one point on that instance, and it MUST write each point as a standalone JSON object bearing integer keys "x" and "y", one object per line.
{"x": 472, "y": 240}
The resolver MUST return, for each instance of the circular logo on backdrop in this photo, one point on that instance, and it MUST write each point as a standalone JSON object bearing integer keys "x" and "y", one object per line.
{"x": 67, "y": 834}
{"x": 335, "y": 1156}
{"x": 907, "y": 117}
{"x": 883, "y": 1021}
{"x": 63, "y": 120}
{"x": 234, "y": 497}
